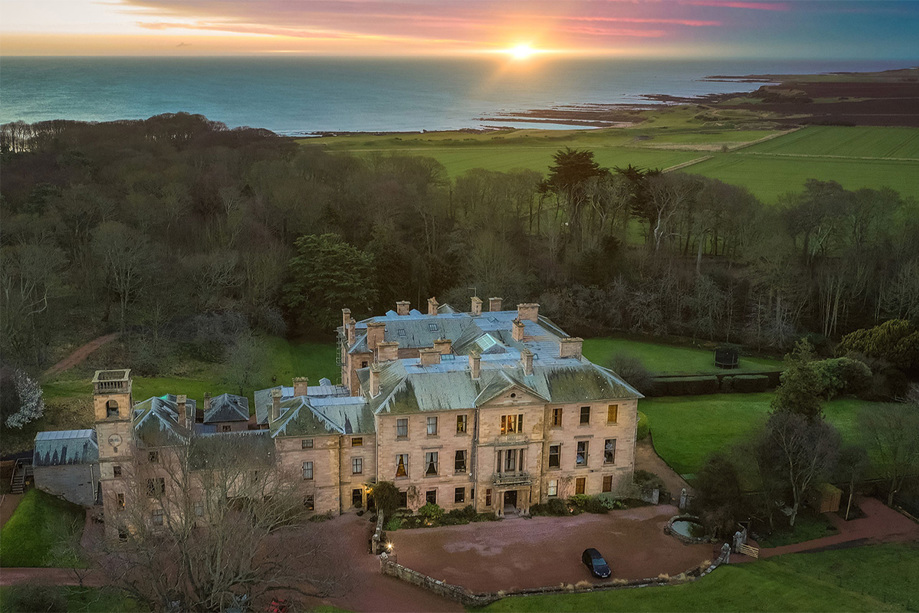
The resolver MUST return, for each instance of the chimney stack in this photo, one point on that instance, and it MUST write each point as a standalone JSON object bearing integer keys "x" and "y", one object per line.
{"x": 374, "y": 380}
{"x": 475, "y": 365}
{"x": 182, "y": 405}
{"x": 432, "y": 306}
{"x": 430, "y": 356}
{"x": 444, "y": 346}
{"x": 375, "y": 331}
{"x": 350, "y": 332}
{"x": 300, "y": 386}
{"x": 476, "y": 306}
{"x": 517, "y": 332}
{"x": 207, "y": 407}
{"x": 494, "y": 304}
{"x": 526, "y": 359}
{"x": 529, "y": 311}
{"x": 387, "y": 352}
{"x": 345, "y": 317}
{"x": 403, "y": 307}
{"x": 570, "y": 347}
{"x": 275, "y": 404}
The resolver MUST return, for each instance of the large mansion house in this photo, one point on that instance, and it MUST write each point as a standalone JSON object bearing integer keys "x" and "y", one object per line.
{"x": 497, "y": 409}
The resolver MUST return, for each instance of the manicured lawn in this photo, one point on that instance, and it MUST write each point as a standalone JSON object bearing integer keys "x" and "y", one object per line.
{"x": 687, "y": 429}
{"x": 669, "y": 359}
{"x": 871, "y": 578}
{"x": 34, "y": 529}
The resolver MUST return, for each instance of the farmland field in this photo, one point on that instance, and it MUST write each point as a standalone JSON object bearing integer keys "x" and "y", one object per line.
{"x": 858, "y": 142}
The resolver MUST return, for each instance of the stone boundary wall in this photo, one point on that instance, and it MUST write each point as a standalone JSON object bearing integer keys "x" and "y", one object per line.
{"x": 389, "y": 566}
{"x": 375, "y": 541}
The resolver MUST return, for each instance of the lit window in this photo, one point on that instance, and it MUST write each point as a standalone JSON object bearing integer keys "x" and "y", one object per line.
{"x": 555, "y": 453}
{"x": 459, "y": 463}
{"x": 460, "y": 424}
{"x": 609, "y": 451}
{"x": 306, "y": 443}
{"x": 402, "y": 428}
{"x": 432, "y": 426}
{"x": 430, "y": 463}
{"x": 585, "y": 415}
{"x": 307, "y": 470}
{"x": 553, "y": 487}
{"x": 511, "y": 423}
{"x": 119, "y": 501}
{"x": 357, "y": 441}
{"x": 357, "y": 466}
{"x": 402, "y": 465}
{"x": 309, "y": 502}
{"x": 612, "y": 414}
{"x": 581, "y": 458}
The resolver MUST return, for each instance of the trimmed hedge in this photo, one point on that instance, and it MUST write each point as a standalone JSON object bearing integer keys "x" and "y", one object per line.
{"x": 747, "y": 384}
{"x": 686, "y": 386}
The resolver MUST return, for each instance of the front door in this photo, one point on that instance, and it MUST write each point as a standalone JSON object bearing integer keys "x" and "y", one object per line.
{"x": 579, "y": 485}
{"x": 510, "y": 498}
{"x": 357, "y": 498}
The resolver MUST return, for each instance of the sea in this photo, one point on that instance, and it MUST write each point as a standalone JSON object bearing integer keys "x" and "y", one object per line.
{"x": 309, "y": 95}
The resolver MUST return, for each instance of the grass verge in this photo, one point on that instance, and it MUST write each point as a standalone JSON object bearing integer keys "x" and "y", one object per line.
{"x": 35, "y": 528}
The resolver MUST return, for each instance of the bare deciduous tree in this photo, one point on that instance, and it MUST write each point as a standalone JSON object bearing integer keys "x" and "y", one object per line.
{"x": 892, "y": 433}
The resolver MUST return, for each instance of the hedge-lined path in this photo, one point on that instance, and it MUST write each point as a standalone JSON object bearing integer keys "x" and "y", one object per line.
{"x": 881, "y": 525}
{"x": 646, "y": 458}
{"x": 80, "y": 354}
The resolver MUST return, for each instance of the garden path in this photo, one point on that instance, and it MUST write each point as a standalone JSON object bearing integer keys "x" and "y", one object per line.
{"x": 646, "y": 458}
{"x": 80, "y": 354}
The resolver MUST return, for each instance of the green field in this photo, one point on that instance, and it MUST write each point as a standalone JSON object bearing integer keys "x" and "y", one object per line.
{"x": 687, "y": 429}
{"x": 871, "y": 578}
{"x": 39, "y": 523}
{"x": 856, "y": 157}
{"x": 669, "y": 359}
{"x": 14, "y": 599}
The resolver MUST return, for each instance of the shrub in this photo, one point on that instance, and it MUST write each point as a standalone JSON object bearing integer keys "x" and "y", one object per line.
{"x": 843, "y": 376}
{"x": 29, "y": 597}
{"x": 588, "y": 504}
{"x": 555, "y": 507}
{"x": 649, "y": 481}
{"x": 632, "y": 371}
{"x": 643, "y": 427}
{"x": 393, "y": 524}
{"x": 386, "y": 497}
{"x": 430, "y": 512}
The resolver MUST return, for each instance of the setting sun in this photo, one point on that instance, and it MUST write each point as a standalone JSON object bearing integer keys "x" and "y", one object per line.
{"x": 521, "y": 52}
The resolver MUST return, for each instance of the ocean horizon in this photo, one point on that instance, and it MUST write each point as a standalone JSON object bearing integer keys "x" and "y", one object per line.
{"x": 305, "y": 95}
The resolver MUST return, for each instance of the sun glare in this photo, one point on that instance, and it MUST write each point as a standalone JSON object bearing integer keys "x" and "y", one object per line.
{"x": 521, "y": 52}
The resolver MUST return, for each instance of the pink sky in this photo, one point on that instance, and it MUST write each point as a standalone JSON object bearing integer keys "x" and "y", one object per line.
{"x": 433, "y": 27}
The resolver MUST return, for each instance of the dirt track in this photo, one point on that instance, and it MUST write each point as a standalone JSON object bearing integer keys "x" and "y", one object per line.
{"x": 80, "y": 354}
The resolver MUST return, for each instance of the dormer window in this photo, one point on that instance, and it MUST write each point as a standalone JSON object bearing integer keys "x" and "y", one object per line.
{"x": 433, "y": 327}
{"x": 401, "y": 332}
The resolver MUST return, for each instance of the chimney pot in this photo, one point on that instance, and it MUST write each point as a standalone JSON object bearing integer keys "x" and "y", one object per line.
{"x": 375, "y": 333}
{"x": 570, "y": 347}
{"x": 276, "y": 394}
{"x": 517, "y": 332}
{"x": 430, "y": 356}
{"x": 374, "y": 380}
{"x": 182, "y": 405}
{"x": 476, "y": 306}
{"x": 387, "y": 352}
{"x": 494, "y": 304}
{"x": 301, "y": 385}
{"x": 444, "y": 346}
{"x": 403, "y": 307}
{"x": 432, "y": 306}
{"x": 529, "y": 310}
{"x": 475, "y": 365}
{"x": 526, "y": 359}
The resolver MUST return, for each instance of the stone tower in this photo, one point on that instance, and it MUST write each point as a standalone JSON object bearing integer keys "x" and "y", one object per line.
{"x": 112, "y": 405}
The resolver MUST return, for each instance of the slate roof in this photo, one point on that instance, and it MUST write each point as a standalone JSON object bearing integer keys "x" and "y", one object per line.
{"x": 324, "y": 390}
{"x": 65, "y": 447}
{"x": 304, "y": 415}
{"x": 227, "y": 407}
{"x": 156, "y": 421}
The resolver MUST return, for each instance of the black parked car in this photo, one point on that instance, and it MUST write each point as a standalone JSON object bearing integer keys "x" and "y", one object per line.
{"x": 595, "y": 563}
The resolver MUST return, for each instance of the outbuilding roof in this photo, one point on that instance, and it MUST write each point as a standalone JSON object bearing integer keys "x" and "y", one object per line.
{"x": 65, "y": 447}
